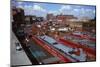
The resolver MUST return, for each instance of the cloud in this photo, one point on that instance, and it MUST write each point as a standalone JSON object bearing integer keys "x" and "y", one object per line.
{"x": 33, "y": 9}
{"x": 38, "y": 8}
{"x": 54, "y": 12}
{"x": 51, "y": 11}
{"x": 76, "y": 10}
{"x": 88, "y": 10}
{"x": 27, "y": 6}
{"x": 65, "y": 7}
{"x": 19, "y": 6}
{"x": 82, "y": 11}
{"x": 77, "y": 6}
{"x": 19, "y": 3}
{"x": 94, "y": 11}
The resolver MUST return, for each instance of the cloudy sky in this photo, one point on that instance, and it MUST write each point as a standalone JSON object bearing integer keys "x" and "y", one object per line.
{"x": 41, "y": 9}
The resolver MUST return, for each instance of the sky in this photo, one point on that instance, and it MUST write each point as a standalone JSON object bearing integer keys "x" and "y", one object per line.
{"x": 42, "y": 9}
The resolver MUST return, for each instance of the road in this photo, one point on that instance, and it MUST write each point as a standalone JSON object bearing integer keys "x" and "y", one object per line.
{"x": 18, "y": 57}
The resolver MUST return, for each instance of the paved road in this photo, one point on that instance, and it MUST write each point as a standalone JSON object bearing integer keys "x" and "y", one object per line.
{"x": 18, "y": 57}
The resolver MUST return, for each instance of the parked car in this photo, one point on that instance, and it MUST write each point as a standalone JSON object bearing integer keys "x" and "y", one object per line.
{"x": 18, "y": 46}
